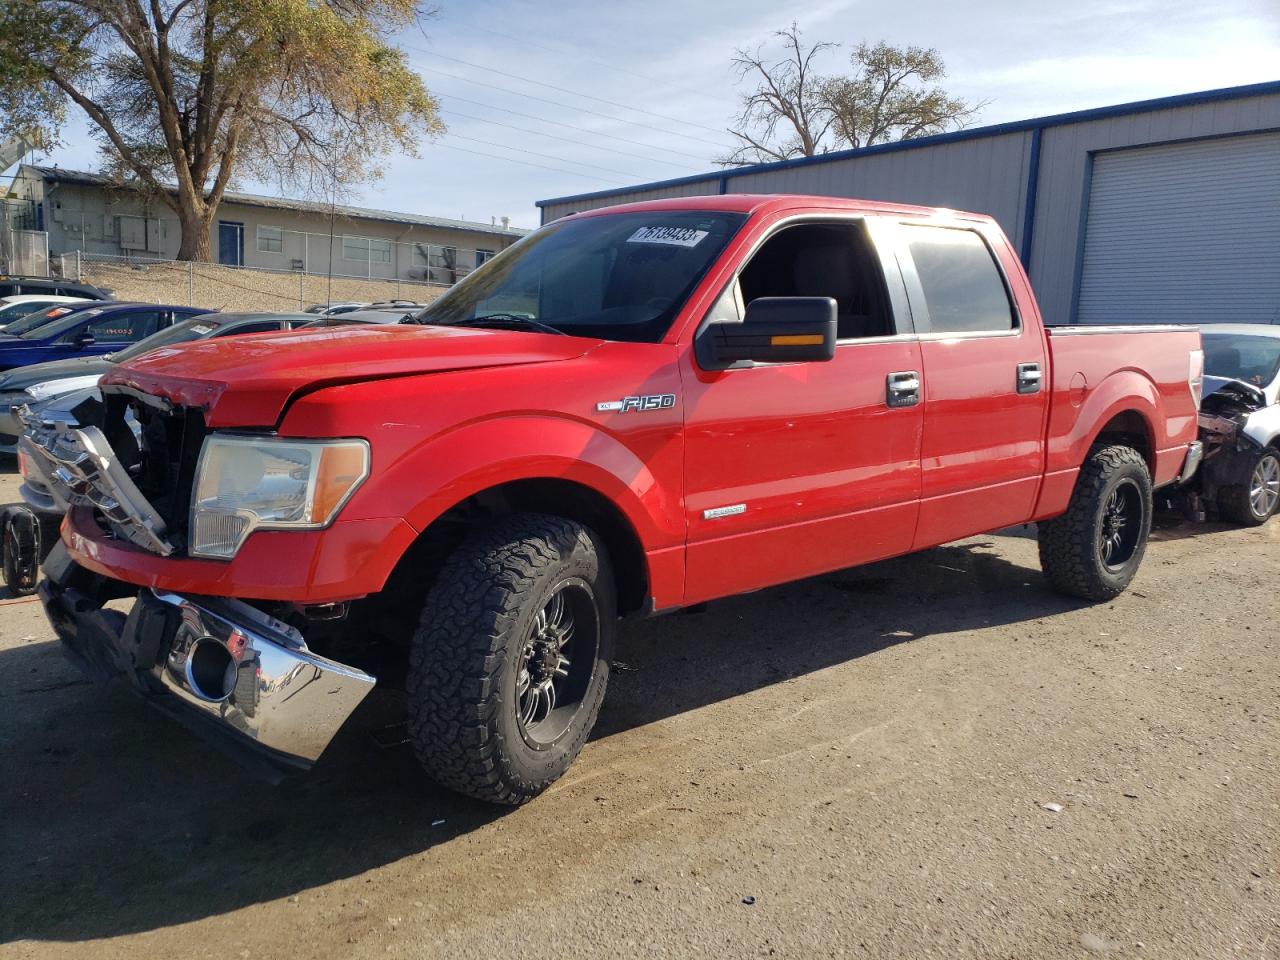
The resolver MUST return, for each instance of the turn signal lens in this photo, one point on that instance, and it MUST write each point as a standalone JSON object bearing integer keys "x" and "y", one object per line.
{"x": 1195, "y": 376}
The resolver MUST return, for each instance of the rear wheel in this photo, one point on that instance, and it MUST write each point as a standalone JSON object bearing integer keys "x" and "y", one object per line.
{"x": 1256, "y": 502}
{"x": 511, "y": 658}
{"x": 1095, "y": 548}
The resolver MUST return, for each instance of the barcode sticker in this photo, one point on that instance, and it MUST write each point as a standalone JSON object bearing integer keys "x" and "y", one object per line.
{"x": 670, "y": 236}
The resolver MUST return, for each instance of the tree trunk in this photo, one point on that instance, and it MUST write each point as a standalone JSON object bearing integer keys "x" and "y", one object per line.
{"x": 195, "y": 217}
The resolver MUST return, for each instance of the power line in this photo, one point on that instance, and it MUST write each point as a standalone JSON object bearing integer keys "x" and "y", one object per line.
{"x": 527, "y": 163}
{"x": 570, "y": 126}
{"x": 579, "y": 143}
{"x": 552, "y": 86}
{"x": 545, "y": 156}
{"x": 568, "y": 106}
{"x": 525, "y": 41}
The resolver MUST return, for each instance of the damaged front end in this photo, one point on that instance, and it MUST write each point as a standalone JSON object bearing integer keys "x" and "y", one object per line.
{"x": 1236, "y": 423}
{"x": 238, "y": 675}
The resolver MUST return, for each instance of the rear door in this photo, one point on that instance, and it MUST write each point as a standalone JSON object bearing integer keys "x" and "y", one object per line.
{"x": 794, "y": 469}
{"x": 985, "y": 370}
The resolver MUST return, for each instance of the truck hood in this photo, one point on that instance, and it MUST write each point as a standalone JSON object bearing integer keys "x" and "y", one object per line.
{"x": 21, "y": 378}
{"x": 248, "y": 381}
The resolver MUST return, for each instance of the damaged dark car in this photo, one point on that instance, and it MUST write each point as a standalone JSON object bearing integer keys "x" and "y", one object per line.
{"x": 1240, "y": 422}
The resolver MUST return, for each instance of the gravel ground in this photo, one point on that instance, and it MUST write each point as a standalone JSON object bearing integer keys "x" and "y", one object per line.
{"x": 929, "y": 757}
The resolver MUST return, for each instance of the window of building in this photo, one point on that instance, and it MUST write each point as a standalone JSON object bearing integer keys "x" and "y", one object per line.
{"x": 484, "y": 255}
{"x": 270, "y": 239}
{"x": 824, "y": 260}
{"x": 963, "y": 288}
{"x": 366, "y": 249}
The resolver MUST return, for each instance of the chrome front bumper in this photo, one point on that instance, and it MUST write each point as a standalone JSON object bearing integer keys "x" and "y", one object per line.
{"x": 224, "y": 667}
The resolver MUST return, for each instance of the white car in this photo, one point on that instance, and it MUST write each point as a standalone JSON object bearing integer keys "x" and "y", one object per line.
{"x": 18, "y": 306}
{"x": 1240, "y": 420}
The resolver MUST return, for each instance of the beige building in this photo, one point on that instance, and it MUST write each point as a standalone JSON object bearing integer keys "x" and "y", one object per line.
{"x": 91, "y": 214}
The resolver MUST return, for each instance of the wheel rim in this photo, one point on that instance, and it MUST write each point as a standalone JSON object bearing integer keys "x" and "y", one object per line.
{"x": 1264, "y": 487}
{"x": 557, "y": 661}
{"x": 1120, "y": 528}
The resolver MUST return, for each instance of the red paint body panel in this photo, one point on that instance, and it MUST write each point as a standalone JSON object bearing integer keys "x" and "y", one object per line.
{"x": 827, "y": 474}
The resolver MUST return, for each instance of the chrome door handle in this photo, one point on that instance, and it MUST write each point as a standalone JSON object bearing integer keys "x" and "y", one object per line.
{"x": 902, "y": 389}
{"x": 1029, "y": 378}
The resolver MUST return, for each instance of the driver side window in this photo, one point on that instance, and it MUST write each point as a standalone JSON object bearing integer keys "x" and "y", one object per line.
{"x": 124, "y": 327}
{"x": 833, "y": 260}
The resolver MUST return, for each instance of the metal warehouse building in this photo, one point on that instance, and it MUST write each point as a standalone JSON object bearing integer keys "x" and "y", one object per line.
{"x": 1163, "y": 210}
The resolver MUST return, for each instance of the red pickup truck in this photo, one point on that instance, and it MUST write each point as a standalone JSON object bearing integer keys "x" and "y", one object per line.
{"x": 631, "y": 411}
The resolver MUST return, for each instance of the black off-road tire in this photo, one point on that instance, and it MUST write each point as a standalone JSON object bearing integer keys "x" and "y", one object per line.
{"x": 1235, "y": 503}
{"x": 1071, "y": 546}
{"x": 466, "y": 655}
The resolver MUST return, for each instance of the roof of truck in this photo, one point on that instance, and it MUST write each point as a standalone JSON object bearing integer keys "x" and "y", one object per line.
{"x": 754, "y": 203}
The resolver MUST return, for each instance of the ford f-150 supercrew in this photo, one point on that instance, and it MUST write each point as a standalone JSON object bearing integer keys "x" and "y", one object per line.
{"x": 632, "y": 410}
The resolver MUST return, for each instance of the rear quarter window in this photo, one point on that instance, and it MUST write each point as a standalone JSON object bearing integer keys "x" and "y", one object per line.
{"x": 963, "y": 288}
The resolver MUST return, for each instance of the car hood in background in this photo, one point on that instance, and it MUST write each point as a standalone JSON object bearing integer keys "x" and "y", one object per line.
{"x": 249, "y": 381}
{"x": 23, "y": 377}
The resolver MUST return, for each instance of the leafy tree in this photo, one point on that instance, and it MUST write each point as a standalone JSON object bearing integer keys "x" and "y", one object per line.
{"x": 891, "y": 93}
{"x": 185, "y": 95}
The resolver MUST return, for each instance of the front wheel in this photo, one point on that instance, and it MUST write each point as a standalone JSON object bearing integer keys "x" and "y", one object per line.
{"x": 1094, "y": 549}
{"x": 510, "y": 660}
{"x": 1254, "y": 503}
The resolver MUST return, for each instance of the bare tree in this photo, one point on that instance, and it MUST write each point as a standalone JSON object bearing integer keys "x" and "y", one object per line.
{"x": 893, "y": 94}
{"x": 785, "y": 115}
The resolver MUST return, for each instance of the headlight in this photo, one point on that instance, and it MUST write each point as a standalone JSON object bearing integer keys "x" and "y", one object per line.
{"x": 250, "y": 483}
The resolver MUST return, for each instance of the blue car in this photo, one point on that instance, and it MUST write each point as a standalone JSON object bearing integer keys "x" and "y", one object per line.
{"x": 91, "y": 331}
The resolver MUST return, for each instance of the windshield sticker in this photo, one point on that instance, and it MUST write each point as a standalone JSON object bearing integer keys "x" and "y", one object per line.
{"x": 670, "y": 236}
{"x": 202, "y": 328}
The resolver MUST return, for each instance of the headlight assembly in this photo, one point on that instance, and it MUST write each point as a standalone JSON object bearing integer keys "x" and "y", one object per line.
{"x": 255, "y": 483}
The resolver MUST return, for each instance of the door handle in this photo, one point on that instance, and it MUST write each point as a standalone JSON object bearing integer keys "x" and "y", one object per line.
{"x": 902, "y": 389}
{"x": 1029, "y": 378}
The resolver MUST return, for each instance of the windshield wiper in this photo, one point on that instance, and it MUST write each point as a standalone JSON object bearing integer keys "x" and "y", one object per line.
{"x": 498, "y": 320}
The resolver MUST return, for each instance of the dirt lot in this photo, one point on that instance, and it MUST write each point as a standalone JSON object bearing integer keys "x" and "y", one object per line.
{"x": 854, "y": 765}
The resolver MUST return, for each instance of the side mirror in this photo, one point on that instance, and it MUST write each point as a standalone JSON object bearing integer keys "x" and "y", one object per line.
{"x": 83, "y": 340}
{"x": 775, "y": 330}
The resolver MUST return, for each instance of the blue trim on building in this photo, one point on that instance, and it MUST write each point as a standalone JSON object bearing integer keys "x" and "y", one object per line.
{"x": 1029, "y": 209}
{"x": 1073, "y": 315}
{"x": 724, "y": 185}
{"x": 998, "y": 129}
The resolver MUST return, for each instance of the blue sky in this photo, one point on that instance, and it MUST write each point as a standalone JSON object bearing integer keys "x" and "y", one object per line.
{"x": 627, "y": 93}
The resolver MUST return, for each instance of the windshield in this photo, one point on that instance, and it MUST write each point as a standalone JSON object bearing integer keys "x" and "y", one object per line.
{"x": 620, "y": 276}
{"x": 38, "y": 319}
{"x": 1239, "y": 356}
{"x": 12, "y": 311}
{"x": 197, "y": 328}
{"x": 59, "y": 324}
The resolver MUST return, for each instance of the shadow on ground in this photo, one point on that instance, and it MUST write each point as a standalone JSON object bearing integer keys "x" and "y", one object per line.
{"x": 117, "y": 821}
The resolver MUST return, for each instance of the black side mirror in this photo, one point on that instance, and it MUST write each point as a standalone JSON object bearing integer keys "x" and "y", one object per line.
{"x": 84, "y": 340}
{"x": 775, "y": 330}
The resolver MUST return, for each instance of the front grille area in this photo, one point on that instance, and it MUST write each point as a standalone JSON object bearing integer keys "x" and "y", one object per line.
{"x": 162, "y": 460}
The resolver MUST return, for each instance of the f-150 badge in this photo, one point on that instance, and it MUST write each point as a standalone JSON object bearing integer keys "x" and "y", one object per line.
{"x": 654, "y": 401}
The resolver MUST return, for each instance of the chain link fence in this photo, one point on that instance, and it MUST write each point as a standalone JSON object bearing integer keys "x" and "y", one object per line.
{"x": 222, "y": 287}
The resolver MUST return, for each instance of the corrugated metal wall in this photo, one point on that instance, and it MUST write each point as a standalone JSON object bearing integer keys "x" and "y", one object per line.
{"x": 991, "y": 174}
{"x": 987, "y": 175}
{"x": 699, "y": 188}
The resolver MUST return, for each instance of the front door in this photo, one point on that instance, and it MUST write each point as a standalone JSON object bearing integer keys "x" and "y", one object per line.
{"x": 231, "y": 243}
{"x": 985, "y": 375}
{"x": 795, "y": 469}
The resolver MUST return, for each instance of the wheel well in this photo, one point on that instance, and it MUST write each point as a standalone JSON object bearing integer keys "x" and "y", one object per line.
{"x": 1131, "y": 429}
{"x": 563, "y": 498}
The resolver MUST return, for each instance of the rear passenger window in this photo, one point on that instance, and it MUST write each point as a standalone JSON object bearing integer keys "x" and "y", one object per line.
{"x": 125, "y": 327}
{"x": 963, "y": 288}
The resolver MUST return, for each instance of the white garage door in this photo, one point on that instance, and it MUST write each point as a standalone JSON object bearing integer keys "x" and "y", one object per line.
{"x": 1185, "y": 233}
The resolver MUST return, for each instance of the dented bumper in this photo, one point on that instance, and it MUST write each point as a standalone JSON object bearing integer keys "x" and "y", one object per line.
{"x": 239, "y": 677}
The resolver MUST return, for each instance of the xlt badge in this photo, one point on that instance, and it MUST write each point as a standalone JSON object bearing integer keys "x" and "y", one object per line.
{"x": 654, "y": 401}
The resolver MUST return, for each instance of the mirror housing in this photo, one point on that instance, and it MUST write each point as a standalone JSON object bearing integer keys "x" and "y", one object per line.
{"x": 775, "y": 330}
{"x": 84, "y": 340}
